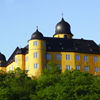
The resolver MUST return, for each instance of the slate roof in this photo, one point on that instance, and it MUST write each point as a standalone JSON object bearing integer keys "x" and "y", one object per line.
{"x": 37, "y": 35}
{"x": 71, "y": 45}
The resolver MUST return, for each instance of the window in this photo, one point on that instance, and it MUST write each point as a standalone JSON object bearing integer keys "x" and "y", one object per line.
{"x": 48, "y": 56}
{"x": 35, "y": 55}
{"x": 35, "y": 43}
{"x": 16, "y": 60}
{"x": 9, "y": 68}
{"x": 96, "y": 69}
{"x": 26, "y": 58}
{"x": 26, "y": 68}
{"x": 85, "y": 58}
{"x": 95, "y": 58}
{"x": 67, "y": 57}
{"x": 77, "y": 67}
{"x": 86, "y": 68}
{"x": 36, "y": 66}
{"x": 59, "y": 67}
{"x": 68, "y": 67}
{"x": 77, "y": 57}
{"x": 58, "y": 57}
{"x": 12, "y": 67}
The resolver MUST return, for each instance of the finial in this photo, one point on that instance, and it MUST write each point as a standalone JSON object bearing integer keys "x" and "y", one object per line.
{"x": 37, "y": 27}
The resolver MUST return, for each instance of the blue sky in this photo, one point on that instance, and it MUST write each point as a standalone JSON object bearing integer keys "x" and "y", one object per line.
{"x": 19, "y": 18}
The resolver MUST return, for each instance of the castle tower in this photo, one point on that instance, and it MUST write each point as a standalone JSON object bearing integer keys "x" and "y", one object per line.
{"x": 20, "y": 59}
{"x": 63, "y": 30}
{"x": 36, "y": 54}
{"x": 2, "y": 62}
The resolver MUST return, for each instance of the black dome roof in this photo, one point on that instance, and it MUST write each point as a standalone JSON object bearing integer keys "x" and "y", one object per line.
{"x": 37, "y": 35}
{"x": 63, "y": 27}
{"x": 2, "y": 57}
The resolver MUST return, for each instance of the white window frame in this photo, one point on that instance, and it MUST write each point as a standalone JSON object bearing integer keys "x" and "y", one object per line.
{"x": 68, "y": 67}
{"x": 9, "y": 69}
{"x": 48, "y": 56}
{"x": 85, "y": 58}
{"x": 95, "y": 58}
{"x": 35, "y": 54}
{"x": 36, "y": 66}
{"x": 96, "y": 69}
{"x": 86, "y": 68}
{"x": 35, "y": 43}
{"x": 67, "y": 57}
{"x": 12, "y": 67}
{"x": 27, "y": 68}
{"x": 77, "y": 67}
{"x": 58, "y": 56}
{"x": 77, "y": 57}
{"x": 26, "y": 58}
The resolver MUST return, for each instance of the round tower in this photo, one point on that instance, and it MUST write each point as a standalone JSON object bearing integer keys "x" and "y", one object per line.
{"x": 36, "y": 54}
{"x": 63, "y": 30}
{"x": 2, "y": 62}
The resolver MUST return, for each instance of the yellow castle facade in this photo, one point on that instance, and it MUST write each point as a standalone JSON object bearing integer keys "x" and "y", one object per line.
{"x": 62, "y": 49}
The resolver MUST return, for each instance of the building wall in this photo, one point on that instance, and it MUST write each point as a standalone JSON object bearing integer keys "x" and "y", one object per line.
{"x": 90, "y": 63}
{"x": 11, "y": 67}
{"x": 26, "y": 62}
{"x": 73, "y": 62}
{"x": 3, "y": 69}
{"x": 20, "y": 61}
{"x": 63, "y": 62}
{"x": 40, "y": 60}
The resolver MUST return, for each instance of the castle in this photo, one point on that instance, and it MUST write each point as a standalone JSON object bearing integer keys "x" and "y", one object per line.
{"x": 62, "y": 49}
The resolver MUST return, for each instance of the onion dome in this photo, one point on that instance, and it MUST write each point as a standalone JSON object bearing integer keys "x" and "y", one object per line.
{"x": 2, "y": 57}
{"x": 37, "y": 35}
{"x": 63, "y": 28}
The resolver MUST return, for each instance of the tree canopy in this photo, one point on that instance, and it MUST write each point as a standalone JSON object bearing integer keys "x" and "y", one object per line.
{"x": 51, "y": 85}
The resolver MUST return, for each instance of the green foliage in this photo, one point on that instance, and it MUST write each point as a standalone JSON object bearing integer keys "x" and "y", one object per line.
{"x": 51, "y": 85}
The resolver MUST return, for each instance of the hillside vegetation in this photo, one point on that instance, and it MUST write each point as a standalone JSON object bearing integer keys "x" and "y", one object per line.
{"x": 51, "y": 85}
